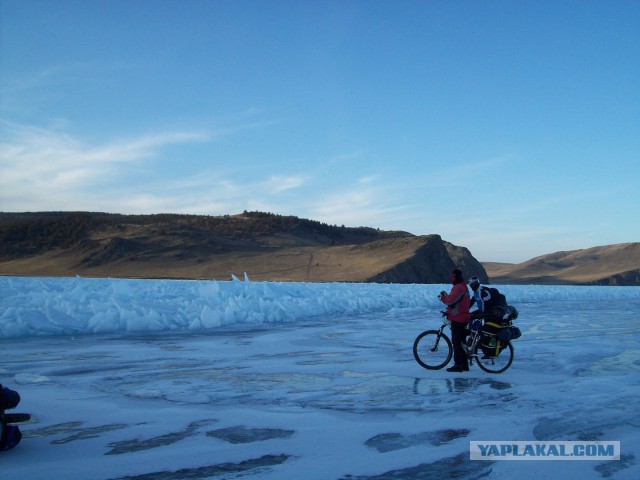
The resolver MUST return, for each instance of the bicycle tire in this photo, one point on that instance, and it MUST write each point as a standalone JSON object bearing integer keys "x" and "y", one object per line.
{"x": 497, "y": 364}
{"x": 428, "y": 351}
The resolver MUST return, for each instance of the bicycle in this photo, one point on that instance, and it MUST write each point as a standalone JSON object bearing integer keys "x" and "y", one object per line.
{"x": 433, "y": 349}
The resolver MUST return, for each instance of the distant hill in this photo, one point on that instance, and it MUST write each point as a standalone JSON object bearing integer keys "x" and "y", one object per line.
{"x": 266, "y": 246}
{"x": 606, "y": 265}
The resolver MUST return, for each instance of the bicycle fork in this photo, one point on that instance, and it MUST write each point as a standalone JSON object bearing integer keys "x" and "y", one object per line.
{"x": 470, "y": 345}
{"x": 438, "y": 337}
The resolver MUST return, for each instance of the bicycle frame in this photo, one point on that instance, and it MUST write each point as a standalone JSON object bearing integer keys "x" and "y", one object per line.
{"x": 475, "y": 333}
{"x": 445, "y": 323}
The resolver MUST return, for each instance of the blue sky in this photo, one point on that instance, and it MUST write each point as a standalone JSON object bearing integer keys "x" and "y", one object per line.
{"x": 508, "y": 127}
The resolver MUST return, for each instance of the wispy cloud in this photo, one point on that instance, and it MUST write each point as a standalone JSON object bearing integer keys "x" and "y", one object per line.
{"x": 49, "y": 167}
{"x": 282, "y": 183}
{"x": 365, "y": 201}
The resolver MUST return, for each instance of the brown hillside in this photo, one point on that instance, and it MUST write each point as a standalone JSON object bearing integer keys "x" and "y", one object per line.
{"x": 607, "y": 265}
{"x": 267, "y": 247}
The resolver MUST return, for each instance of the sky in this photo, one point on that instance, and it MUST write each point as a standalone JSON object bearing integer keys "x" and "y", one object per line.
{"x": 507, "y": 127}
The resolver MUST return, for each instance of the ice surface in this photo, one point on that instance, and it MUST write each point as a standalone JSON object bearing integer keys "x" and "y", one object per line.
{"x": 188, "y": 379}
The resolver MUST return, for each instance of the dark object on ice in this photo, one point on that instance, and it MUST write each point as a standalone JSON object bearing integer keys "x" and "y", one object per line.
{"x": 17, "y": 417}
{"x": 10, "y": 435}
{"x": 8, "y": 398}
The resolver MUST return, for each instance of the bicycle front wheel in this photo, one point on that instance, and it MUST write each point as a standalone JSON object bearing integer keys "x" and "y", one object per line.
{"x": 432, "y": 349}
{"x": 495, "y": 364}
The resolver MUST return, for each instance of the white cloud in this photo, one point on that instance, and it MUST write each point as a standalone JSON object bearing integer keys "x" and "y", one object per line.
{"x": 364, "y": 202}
{"x": 47, "y": 167}
{"x": 50, "y": 170}
{"x": 282, "y": 183}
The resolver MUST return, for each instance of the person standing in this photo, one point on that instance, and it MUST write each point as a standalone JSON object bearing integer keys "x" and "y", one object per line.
{"x": 481, "y": 296}
{"x": 457, "y": 302}
{"x": 491, "y": 303}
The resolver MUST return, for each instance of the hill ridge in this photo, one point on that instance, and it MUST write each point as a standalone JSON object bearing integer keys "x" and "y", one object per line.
{"x": 617, "y": 264}
{"x": 266, "y": 246}
{"x": 274, "y": 247}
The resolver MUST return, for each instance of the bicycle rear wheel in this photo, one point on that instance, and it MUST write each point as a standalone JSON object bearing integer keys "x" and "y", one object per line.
{"x": 432, "y": 350}
{"x": 495, "y": 364}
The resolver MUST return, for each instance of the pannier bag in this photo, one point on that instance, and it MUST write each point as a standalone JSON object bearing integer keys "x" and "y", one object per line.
{"x": 509, "y": 333}
{"x": 495, "y": 337}
{"x": 490, "y": 343}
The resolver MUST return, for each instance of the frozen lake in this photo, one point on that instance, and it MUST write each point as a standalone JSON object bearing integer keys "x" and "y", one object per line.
{"x": 324, "y": 389}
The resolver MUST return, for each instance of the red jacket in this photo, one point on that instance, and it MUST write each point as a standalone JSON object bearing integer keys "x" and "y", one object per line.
{"x": 458, "y": 302}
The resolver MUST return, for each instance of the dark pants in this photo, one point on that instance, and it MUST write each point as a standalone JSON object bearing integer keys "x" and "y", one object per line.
{"x": 458, "y": 337}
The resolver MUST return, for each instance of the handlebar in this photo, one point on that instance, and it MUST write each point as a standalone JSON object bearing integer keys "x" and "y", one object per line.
{"x": 445, "y": 318}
